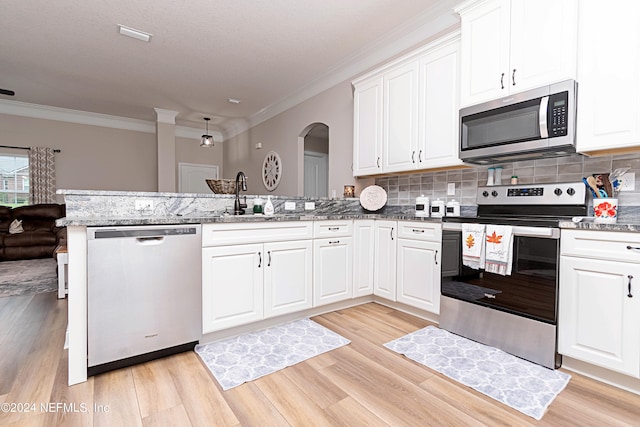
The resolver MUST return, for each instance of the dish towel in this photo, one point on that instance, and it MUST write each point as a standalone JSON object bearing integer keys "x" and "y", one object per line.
{"x": 499, "y": 249}
{"x": 473, "y": 245}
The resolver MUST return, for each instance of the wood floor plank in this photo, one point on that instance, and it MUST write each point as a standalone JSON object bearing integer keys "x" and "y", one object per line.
{"x": 393, "y": 399}
{"x": 116, "y": 390}
{"x": 10, "y": 310}
{"x": 322, "y": 391}
{"x": 252, "y": 407}
{"x": 348, "y": 412}
{"x": 155, "y": 388}
{"x": 170, "y": 417}
{"x": 296, "y": 407}
{"x": 200, "y": 396}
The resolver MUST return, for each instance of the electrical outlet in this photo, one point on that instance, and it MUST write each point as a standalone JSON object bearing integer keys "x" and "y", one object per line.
{"x": 289, "y": 206}
{"x": 628, "y": 182}
{"x": 451, "y": 189}
{"x": 144, "y": 205}
{"x": 309, "y": 206}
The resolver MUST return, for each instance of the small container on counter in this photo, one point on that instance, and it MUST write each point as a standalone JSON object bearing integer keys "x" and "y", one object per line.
{"x": 437, "y": 208}
{"x": 268, "y": 208}
{"x": 498, "y": 176}
{"x": 490, "y": 173}
{"x": 514, "y": 180}
{"x": 453, "y": 208}
{"x": 257, "y": 206}
{"x": 422, "y": 206}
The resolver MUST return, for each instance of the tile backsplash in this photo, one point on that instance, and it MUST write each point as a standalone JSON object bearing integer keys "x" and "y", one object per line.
{"x": 403, "y": 189}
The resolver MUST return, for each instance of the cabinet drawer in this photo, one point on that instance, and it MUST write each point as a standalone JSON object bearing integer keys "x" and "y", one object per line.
{"x": 431, "y": 232}
{"x": 601, "y": 245}
{"x": 240, "y": 233}
{"x": 337, "y": 228}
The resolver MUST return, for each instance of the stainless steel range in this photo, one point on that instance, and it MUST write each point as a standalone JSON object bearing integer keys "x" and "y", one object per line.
{"x": 518, "y": 312}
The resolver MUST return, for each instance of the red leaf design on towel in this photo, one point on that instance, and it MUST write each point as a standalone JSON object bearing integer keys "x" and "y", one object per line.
{"x": 494, "y": 238}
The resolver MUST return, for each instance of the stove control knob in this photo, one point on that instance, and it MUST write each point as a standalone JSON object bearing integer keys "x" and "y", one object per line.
{"x": 571, "y": 191}
{"x": 557, "y": 191}
{"x": 485, "y": 193}
{"x": 494, "y": 193}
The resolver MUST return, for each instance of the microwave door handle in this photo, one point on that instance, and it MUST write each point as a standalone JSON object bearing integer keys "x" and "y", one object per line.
{"x": 542, "y": 117}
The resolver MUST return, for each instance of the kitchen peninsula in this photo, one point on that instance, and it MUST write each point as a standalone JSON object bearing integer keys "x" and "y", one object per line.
{"x": 344, "y": 257}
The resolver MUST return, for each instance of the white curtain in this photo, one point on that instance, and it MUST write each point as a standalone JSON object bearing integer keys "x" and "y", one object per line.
{"x": 42, "y": 175}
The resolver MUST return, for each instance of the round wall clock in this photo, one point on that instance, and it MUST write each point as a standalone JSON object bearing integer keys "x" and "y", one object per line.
{"x": 271, "y": 170}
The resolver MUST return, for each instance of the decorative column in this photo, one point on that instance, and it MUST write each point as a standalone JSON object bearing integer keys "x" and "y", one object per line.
{"x": 166, "y": 142}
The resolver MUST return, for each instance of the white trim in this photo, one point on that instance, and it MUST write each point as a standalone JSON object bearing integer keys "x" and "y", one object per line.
{"x": 36, "y": 111}
{"x": 17, "y": 108}
{"x": 166, "y": 116}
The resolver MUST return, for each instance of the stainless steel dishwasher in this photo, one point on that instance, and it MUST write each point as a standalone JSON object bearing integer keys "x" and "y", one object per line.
{"x": 144, "y": 293}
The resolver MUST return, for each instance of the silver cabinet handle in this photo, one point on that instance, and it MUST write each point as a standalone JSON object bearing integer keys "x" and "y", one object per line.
{"x": 378, "y": 162}
{"x": 502, "y": 81}
{"x": 629, "y": 295}
{"x": 269, "y": 263}
{"x": 513, "y": 77}
{"x": 391, "y": 233}
{"x": 415, "y": 230}
{"x": 413, "y": 157}
{"x": 633, "y": 248}
{"x": 420, "y": 156}
{"x": 259, "y": 259}
{"x": 435, "y": 257}
{"x": 334, "y": 228}
{"x": 334, "y": 242}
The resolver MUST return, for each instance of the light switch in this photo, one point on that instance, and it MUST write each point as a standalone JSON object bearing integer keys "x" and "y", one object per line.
{"x": 309, "y": 206}
{"x": 289, "y": 206}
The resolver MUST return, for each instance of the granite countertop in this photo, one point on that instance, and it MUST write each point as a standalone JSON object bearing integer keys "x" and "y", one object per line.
{"x": 177, "y": 219}
{"x": 626, "y": 226}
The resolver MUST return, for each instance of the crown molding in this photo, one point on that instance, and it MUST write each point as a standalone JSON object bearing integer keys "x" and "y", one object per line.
{"x": 36, "y": 111}
{"x": 419, "y": 30}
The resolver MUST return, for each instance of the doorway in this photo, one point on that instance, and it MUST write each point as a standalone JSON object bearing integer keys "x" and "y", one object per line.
{"x": 316, "y": 160}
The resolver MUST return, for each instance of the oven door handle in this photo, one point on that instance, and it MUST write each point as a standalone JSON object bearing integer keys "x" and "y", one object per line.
{"x": 543, "y": 232}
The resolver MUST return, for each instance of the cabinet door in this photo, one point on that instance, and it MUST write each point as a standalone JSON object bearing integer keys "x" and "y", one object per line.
{"x": 608, "y": 70}
{"x": 598, "y": 322}
{"x": 363, "y": 257}
{"x": 544, "y": 36}
{"x": 384, "y": 276}
{"x": 438, "y": 107}
{"x": 232, "y": 291}
{"x": 332, "y": 267}
{"x": 400, "y": 113}
{"x": 418, "y": 280}
{"x": 485, "y": 52}
{"x": 287, "y": 277}
{"x": 367, "y": 128}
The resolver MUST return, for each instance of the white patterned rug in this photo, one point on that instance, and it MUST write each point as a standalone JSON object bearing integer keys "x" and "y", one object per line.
{"x": 520, "y": 384}
{"x": 26, "y": 277}
{"x": 234, "y": 361}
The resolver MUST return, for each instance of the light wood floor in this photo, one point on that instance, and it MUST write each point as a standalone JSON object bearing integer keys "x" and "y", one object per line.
{"x": 359, "y": 384}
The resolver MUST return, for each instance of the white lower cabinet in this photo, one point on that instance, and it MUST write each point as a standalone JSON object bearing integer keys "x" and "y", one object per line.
{"x": 384, "y": 276}
{"x": 287, "y": 277}
{"x": 232, "y": 291}
{"x": 363, "y": 257}
{"x": 332, "y": 270}
{"x": 418, "y": 265}
{"x": 418, "y": 275}
{"x": 244, "y": 283}
{"x": 599, "y": 299}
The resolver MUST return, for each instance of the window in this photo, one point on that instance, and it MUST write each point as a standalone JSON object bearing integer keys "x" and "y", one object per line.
{"x": 14, "y": 176}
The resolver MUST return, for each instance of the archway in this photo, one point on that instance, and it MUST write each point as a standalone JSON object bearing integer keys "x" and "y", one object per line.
{"x": 315, "y": 161}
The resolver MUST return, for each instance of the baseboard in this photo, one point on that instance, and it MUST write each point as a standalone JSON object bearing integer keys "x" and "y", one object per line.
{"x": 604, "y": 375}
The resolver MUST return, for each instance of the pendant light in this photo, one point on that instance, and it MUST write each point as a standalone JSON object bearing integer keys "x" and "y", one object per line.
{"x": 206, "y": 140}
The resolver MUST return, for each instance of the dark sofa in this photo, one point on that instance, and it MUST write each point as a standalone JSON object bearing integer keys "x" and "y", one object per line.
{"x": 40, "y": 236}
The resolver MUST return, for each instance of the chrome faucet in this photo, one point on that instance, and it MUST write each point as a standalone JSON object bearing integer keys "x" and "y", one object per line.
{"x": 241, "y": 180}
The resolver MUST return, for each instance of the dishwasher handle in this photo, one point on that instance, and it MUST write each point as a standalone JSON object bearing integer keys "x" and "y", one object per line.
{"x": 150, "y": 241}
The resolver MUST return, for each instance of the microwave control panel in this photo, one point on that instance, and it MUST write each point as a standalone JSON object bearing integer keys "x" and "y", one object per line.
{"x": 558, "y": 103}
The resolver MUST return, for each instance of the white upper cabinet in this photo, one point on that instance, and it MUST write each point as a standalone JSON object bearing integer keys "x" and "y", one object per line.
{"x": 509, "y": 46}
{"x": 399, "y": 125}
{"x": 608, "y": 76}
{"x": 406, "y": 113}
{"x": 367, "y": 128}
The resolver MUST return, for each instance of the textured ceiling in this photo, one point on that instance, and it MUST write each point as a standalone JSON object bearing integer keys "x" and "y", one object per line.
{"x": 68, "y": 53}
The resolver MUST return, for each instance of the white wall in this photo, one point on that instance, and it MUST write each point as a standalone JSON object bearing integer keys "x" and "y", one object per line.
{"x": 283, "y": 134}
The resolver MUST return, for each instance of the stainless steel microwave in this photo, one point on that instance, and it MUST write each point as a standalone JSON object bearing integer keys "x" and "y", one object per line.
{"x": 532, "y": 124}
